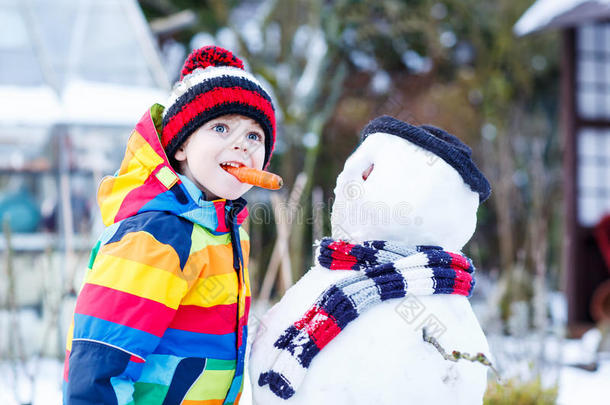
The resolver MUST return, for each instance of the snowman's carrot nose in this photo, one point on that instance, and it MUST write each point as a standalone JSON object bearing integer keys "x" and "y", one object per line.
{"x": 259, "y": 178}
{"x": 367, "y": 172}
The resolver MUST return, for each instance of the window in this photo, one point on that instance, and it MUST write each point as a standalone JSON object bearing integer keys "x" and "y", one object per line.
{"x": 593, "y": 182}
{"x": 593, "y": 71}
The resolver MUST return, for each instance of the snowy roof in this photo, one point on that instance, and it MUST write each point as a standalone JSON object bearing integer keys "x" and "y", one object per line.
{"x": 112, "y": 104}
{"x": 77, "y": 61}
{"x": 18, "y": 101}
{"x": 560, "y": 13}
{"x": 81, "y": 102}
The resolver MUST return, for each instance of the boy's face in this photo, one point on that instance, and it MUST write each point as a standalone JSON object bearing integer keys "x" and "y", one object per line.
{"x": 229, "y": 138}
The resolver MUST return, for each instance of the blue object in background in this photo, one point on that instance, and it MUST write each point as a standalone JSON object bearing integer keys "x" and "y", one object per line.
{"x": 21, "y": 210}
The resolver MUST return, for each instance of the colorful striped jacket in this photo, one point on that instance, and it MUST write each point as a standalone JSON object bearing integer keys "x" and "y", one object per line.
{"x": 162, "y": 315}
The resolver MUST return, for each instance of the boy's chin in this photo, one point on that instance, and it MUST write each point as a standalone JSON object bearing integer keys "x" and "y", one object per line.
{"x": 234, "y": 194}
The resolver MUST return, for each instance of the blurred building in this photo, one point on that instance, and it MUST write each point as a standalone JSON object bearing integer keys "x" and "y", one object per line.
{"x": 75, "y": 76}
{"x": 585, "y": 119}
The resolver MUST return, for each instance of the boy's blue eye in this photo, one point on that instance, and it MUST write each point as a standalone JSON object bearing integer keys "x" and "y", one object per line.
{"x": 253, "y": 136}
{"x": 220, "y": 128}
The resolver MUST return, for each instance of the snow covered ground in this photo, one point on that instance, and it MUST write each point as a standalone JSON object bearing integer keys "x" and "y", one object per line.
{"x": 576, "y": 386}
{"x": 561, "y": 364}
{"x": 583, "y": 387}
{"x": 16, "y": 388}
{"x": 47, "y": 385}
{"x": 513, "y": 356}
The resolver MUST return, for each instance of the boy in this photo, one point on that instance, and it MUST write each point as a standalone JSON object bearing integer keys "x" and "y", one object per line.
{"x": 161, "y": 318}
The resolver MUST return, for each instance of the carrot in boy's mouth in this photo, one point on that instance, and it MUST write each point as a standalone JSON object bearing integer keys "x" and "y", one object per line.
{"x": 259, "y": 178}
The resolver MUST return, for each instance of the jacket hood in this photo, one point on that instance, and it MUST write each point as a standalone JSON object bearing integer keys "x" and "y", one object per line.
{"x": 147, "y": 182}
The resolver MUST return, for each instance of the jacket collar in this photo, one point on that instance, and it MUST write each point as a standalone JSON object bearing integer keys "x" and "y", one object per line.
{"x": 147, "y": 182}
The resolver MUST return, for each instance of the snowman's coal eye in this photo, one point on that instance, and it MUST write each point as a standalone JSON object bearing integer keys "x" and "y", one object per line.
{"x": 367, "y": 172}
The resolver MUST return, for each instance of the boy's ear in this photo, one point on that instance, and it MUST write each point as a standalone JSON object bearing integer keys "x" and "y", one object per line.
{"x": 180, "y": 154}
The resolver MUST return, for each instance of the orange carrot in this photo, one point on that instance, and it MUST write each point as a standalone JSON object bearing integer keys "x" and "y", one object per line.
{"x": 259, "y": 178}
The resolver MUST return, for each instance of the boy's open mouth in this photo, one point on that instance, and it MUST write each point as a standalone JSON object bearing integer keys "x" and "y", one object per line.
{"x": 227, "y": 166}
{"x": 232, "y": 163}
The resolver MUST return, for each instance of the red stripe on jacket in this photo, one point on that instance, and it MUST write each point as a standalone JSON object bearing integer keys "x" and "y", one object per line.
{"x": 124, "y": 309}
{"x": 216, "y": 320}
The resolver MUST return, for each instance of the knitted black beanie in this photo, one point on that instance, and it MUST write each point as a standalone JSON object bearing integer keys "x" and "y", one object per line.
{"x": 441, "y": 143}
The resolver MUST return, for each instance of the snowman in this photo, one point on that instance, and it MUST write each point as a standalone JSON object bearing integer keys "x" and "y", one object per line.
{"x": 388, "y": 294}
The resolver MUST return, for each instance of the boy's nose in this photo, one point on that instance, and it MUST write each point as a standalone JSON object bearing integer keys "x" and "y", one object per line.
{"x": 239, "y": 144}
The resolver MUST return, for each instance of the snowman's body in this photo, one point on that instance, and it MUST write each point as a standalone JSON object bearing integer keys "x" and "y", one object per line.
{"x": 381, "y": 357}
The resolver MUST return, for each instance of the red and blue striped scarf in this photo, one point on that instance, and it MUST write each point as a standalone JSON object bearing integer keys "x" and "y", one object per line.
{"x": 384, "y": 270}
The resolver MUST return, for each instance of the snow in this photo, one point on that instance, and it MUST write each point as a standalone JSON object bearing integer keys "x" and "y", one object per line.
{"x": 584, "y": 387}
{"x": 252, "y": 35}
{"x": 226, "y": 38}
{"x": 415, "y": 62}
{"x": 575, "y": 386}
{"x": 404, "y": 208}
{"x": 543, "y": 12}
{"x": 514, "y": 357}
{"x": 381, "y": 82}
{"x": 103, "y": 103}
{"x": 29, "y": 105}
{"x": 317, "y": 51}
{"x": 80, "y": 102}
{"x": 388, "y": 342}
{"x": 363, "y": 60}
{"x": 385, "y": 343}
{"x": 48, "y": 375}
{"x": 300, "y": 40}
{"x": 380, "y": 357}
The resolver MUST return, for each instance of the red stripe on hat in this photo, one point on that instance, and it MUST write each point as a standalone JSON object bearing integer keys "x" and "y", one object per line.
{"x": 210, "y": 99}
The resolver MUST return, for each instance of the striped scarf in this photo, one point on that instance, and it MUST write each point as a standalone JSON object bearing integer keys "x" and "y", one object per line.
{"x": 385, "y": 270}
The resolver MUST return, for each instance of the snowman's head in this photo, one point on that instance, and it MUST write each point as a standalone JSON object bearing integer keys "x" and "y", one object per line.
{"x": 416, "y": 185}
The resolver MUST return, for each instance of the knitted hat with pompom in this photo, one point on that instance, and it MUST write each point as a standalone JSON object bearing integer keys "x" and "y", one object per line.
{"x": 213, "y": 82}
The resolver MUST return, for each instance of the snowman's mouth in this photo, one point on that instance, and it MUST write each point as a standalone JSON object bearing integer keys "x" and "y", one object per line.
{"x": 367, "y": 172}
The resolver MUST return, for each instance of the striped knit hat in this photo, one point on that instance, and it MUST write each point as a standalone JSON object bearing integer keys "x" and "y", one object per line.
{"x": 446, "y": 146}
{"x": 213, "y": 82}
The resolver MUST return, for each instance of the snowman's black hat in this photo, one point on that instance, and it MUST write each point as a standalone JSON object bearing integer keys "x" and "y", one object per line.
{"x": 441, "y": 143}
